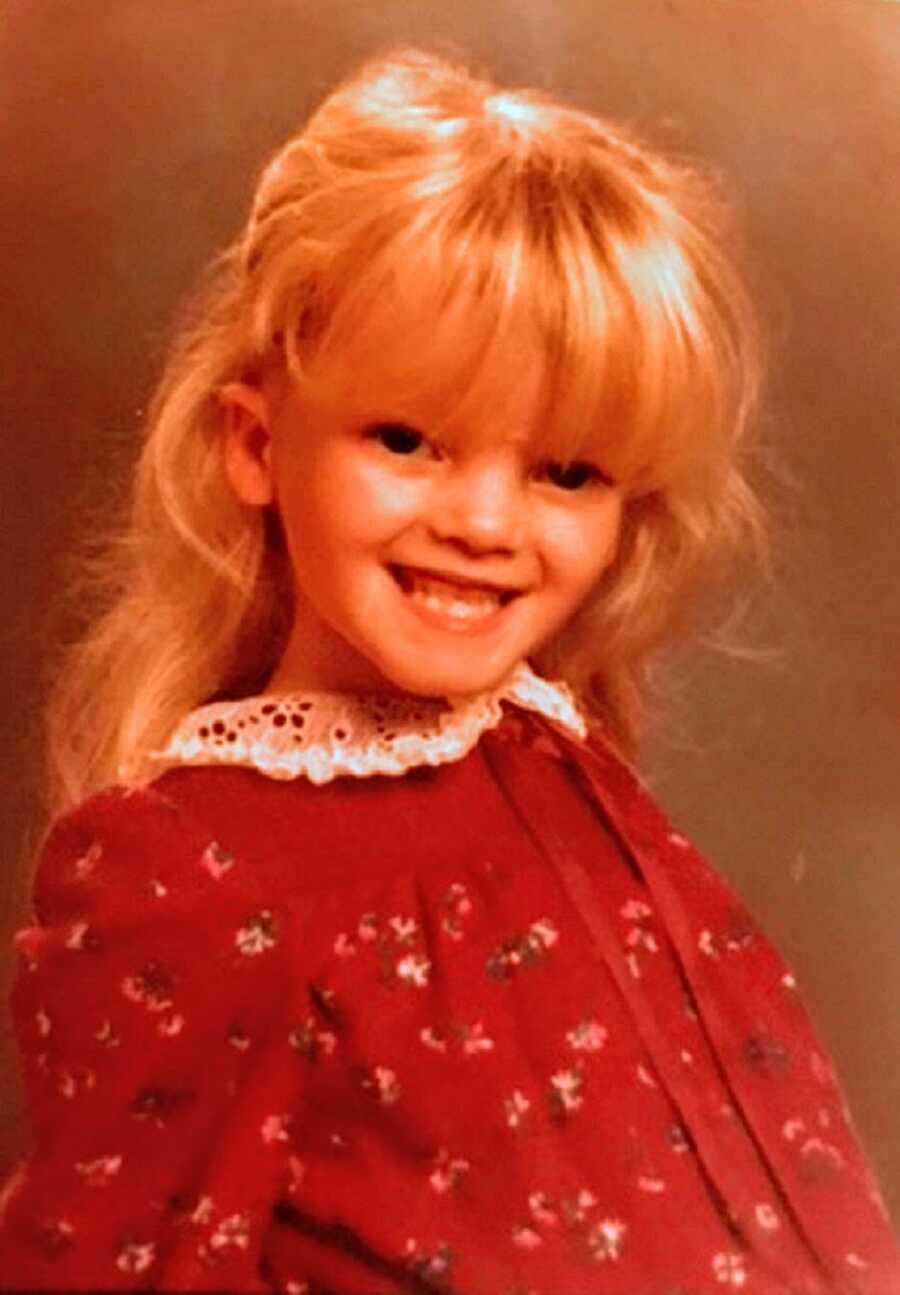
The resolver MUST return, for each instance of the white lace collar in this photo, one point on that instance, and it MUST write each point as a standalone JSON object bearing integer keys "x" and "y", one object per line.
{"x": 321, "y": 736}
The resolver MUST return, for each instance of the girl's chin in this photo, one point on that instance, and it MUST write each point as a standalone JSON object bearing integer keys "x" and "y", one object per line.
{"x": 448, "y": 679}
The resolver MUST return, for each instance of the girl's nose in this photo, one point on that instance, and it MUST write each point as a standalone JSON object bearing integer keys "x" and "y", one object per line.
{"x": 480, "y": 507}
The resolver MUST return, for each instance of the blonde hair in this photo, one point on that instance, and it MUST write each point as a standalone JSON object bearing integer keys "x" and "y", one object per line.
{"x": 513, "y": 203}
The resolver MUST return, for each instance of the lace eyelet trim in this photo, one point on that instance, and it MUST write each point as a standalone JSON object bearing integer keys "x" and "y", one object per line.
{"x": 322, "y": 736}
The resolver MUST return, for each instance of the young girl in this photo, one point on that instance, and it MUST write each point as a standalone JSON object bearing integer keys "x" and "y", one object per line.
{"x": 377, "y": 971}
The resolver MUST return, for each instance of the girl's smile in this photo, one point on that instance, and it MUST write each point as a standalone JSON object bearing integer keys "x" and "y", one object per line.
{"x": 423, "y": 563}
{"x": 448, "y": 601}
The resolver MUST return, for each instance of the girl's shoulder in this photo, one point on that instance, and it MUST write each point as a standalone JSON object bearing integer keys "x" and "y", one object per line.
{"x": 110, "y": 829}
{"x": 694, "y": 893}
{"x": 127, "y": 856}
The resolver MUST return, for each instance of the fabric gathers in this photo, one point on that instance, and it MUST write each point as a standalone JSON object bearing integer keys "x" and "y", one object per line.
{"x": 490, "y": 1027}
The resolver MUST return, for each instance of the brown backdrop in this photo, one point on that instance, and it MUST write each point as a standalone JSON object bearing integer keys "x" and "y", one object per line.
{"x": 130, "y": 133}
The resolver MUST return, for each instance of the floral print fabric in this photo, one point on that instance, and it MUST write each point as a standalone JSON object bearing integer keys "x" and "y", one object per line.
{"x": 491, "y": 1028}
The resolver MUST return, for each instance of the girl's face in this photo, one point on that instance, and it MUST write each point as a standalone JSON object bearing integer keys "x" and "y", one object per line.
{"x": 423, "y": 563}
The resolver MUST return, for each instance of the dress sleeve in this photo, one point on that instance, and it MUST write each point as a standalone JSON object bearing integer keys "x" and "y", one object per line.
{"x": 150, "y": 1012}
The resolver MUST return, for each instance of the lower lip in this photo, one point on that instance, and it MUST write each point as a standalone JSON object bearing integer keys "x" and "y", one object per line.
{"x": 453, "y": 624}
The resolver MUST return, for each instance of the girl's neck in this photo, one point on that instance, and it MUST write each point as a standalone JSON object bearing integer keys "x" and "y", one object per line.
{"x": 304, "y": 677}
{"x": 316, "y": 661}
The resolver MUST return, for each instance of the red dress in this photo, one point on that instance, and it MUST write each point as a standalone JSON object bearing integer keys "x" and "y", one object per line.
{"x": 488, "y": 1028}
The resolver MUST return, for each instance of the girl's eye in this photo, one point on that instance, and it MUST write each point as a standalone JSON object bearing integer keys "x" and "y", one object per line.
{"x": 574, "y": 476}
{"x": 397, "y": 438}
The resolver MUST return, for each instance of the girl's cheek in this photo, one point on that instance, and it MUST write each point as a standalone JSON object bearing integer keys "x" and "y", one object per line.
{"x": 370, "y": 477}
{"x": 593, "y": 547}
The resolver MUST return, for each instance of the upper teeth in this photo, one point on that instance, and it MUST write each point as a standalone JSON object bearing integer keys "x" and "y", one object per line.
{"x": 452, "y": 599}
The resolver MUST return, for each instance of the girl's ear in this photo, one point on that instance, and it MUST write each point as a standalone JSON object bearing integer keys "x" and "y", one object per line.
{"x": 247, "y": 443}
